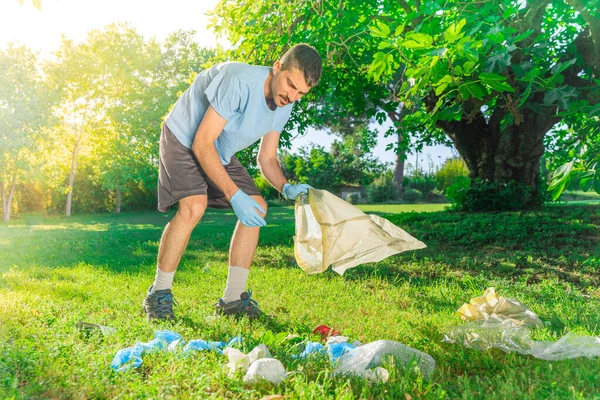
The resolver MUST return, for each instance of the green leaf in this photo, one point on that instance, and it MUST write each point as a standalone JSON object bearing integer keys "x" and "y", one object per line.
{"x": 500, "y": 86}
{"x": 475, "y": 89}
{"x": 497, "y": 62}
{"x": 486, "y": 77}
{"x": 522, "y": 36}
{"x": 452, "y": 34}
{"x": 526, "y": 94}
{"x": 440, "y": 89}
{"x": 587, "y": 180}
{"x": 506, "y": 122}
{"x": 560, "y": 67}
{"x": 560, "y": 95}
{"x": 399, "y": 29}
{"x": 379, "y": 30}
{"x": 381, "y": 65}
{"x": 560, "y": 178}
{"x": 417, "y": 41}
{"x": 468, "y": 67}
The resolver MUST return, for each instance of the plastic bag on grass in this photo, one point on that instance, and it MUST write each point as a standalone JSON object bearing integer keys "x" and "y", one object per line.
{"x": 330, "y": 231}
{"x": 497, "y": 322}
{"x": 359, "y": 360}
{"x": 241, "y": 361}
{"x": 490, "y": 306}
{"x": 265, "y": 369}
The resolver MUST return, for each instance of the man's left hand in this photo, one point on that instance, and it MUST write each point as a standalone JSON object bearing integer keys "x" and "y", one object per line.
{"x": 291, "y": 192}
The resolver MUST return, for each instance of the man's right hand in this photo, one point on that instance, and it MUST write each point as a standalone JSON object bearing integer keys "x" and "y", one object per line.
{"x": 245, "y": 207}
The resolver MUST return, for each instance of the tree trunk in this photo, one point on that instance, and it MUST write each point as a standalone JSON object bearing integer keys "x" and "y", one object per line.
{"x": 502, "y": 156}
{"x": 71, "y": 180}
{"x": 7, "y": 200}
{"x": 118, "y": 200}
{"x": 396, "y": 117}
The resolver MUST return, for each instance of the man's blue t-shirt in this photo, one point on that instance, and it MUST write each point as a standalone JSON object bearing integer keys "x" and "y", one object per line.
{"x": 236, "y": 92}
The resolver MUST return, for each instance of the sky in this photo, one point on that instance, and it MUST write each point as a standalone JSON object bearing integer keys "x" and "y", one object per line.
{"x": 42, "y": 31}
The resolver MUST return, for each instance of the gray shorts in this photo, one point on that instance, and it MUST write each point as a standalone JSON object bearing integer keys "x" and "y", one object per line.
{"x": 180, "y": 175}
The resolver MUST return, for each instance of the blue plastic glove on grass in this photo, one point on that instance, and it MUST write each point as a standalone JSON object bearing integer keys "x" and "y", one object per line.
{"x": 245, "y": 207}
{"x": 291, "y": 192}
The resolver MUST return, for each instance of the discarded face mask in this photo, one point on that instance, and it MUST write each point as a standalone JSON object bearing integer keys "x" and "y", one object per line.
{"x": 265, "y": 370}
{"x": 241, "y": 361}
{"x": 506, "y": 328}
{"x": 332, "y": 232}
{"x": 361, "y": 360}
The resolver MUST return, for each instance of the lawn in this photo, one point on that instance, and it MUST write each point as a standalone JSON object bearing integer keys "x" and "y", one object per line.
{"x": 96, "y": 268}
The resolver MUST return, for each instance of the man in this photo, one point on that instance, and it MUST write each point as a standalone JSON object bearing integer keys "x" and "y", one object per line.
{"x": 226, "y": 109}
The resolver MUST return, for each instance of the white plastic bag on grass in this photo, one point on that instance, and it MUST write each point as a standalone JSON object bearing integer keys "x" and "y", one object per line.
{"x": 360, "y": 360}
{"x": 330, "y": 231}
{"x": 265, "y": 369}
{"x": 241, "y": 361}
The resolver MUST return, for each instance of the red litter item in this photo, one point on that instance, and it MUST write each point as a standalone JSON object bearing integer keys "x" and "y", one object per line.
{"x": 325, "y": 332}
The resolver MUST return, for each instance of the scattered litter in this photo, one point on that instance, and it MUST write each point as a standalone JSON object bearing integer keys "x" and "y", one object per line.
{"x": 337, "y": 339}
{"x": 265, "y": 369}
{"x": 312, "y": 348}
{"x": 359, "y": 360}
{"x": 87, "y": 327}
{"x": 131, "y": 357}
{"x": 336, "y": 350}
{"x": 166, "y": 340}
{"x": 203, "y": 345}
{"x": 378, "y": 374}
{"x": 507, "y": 328}
{"x": 325, "y": 332}
{"x": 241, "y": 361}
{"x": 490, "y": 306}
{"x": 332, "y": 232}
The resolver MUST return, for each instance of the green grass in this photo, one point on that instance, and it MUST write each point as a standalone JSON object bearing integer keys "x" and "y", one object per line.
{"x": 401, "y": 208}
{"x": 96, "y": 268}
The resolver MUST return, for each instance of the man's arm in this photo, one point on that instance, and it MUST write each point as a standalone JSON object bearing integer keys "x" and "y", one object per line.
{"x": 267, "y": 160}
{"x": 204, "y": 148}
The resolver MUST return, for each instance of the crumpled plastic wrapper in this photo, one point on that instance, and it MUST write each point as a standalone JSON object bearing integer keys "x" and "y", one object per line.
{"x": 497, "y": 322}
{"x": 241, "y": 361}
{"x": 265, "y": 370}
{"x": 361, "y": 360}
{"x": 490, "y": 306}
{"x": 333, "y": 232}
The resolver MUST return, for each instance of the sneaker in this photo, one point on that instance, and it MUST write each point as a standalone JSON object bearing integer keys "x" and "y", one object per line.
{"x": 159, "y": 305}
{"x": 246, "y": 304}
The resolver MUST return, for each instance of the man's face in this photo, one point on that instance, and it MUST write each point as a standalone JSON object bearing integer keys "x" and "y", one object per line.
{"x": 288, "y": 85}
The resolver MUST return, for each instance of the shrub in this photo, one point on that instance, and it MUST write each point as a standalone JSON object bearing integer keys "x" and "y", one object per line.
{"x": 382, "y": 189}
{"x": 485, "y": 195}
{"x": 452, "y": 168}
{"x": 265, "y": 188}
{"x": 412, "y": 195}
{"x": 423, "y": 183}
{"x": 457, "y": 191}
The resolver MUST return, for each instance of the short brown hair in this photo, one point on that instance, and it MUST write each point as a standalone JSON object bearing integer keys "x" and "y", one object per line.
{"x": 306, "y": 59}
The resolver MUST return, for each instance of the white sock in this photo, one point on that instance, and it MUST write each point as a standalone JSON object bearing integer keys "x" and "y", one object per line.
{"x": 236, "y": 283}
{"x": 162, "y": 280}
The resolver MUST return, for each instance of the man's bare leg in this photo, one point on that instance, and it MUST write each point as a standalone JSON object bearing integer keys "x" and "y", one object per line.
{"x": 241, "y": 252}
{"x": 177, "y": 233}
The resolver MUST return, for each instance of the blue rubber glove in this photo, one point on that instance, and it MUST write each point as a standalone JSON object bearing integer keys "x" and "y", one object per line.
{"x": 245, "y": 208}
{"x": 290, "y": 192}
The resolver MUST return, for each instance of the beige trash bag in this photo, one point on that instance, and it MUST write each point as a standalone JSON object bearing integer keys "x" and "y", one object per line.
{"x": 330, "y": 231}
